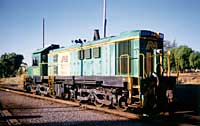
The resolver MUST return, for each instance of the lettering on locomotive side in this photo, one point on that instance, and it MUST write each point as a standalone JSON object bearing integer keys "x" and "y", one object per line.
{"x": 64, "y": 64}
{"x": 64, "y": 59}
{"x": 151, "y": 45}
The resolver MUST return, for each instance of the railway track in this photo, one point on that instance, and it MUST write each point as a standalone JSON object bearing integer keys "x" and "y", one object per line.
{"x": 86, "y": 106}
{"x": 28, "y": 109}
{"x": 124, "y": 117}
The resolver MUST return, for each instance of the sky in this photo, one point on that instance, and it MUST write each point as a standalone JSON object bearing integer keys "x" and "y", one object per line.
{"x": 66, "y": 20}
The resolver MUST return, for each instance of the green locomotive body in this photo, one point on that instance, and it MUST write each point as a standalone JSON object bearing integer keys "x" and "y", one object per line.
{"x": 120, "y": 71}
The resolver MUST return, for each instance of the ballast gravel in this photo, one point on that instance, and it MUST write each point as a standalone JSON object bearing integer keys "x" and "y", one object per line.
{"x": 31, "y": 111}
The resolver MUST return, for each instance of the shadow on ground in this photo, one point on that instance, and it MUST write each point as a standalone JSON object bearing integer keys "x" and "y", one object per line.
{"x": 162, "y": 121}
{"x": 19, "y": 117}
{"x": 188, "y": 98}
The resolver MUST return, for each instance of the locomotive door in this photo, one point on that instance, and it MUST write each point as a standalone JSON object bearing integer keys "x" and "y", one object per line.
{"x": 124, "y": 51}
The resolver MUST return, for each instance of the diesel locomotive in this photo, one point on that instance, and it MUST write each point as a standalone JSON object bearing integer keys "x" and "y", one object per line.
{"x": 118, "y": 71}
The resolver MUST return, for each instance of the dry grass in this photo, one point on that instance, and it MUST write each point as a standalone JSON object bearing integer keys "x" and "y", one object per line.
{"x": 12, "y": 81}
{"x": 189, "y": 79}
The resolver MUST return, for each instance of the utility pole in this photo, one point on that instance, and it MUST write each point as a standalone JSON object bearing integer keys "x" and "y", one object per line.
{"x": 43, "y": 31}
{"x": 104, "y": 19}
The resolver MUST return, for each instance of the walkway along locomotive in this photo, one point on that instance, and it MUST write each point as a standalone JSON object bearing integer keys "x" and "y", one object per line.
{"x": 118, "y": 71}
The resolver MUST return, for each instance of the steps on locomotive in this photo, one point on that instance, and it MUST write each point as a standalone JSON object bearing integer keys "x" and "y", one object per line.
{"x": 136, "y": 96}
{"x": 135, "y": 91}
{"x": 135, "y": 105}
{"x": 136, "y": 86}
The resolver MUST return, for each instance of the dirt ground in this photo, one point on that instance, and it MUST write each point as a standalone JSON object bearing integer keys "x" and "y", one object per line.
{"x": 189, "y": 78}
{"x": 13, "y": 81}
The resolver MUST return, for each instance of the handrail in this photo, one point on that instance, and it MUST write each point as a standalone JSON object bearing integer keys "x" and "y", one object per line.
{"x": 52, "y": 71}
{"x": 168, "y": 62}
{"x": 161, "y": 64}
{"x": 141, "y": 54}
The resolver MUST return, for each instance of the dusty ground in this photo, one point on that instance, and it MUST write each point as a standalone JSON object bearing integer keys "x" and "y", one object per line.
{"x": 189, "y": 78}
{"x": 13, "y": 81}
{"x": 38, "y": 112}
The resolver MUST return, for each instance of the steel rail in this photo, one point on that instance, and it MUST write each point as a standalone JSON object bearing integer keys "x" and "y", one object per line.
{"x": 86, "y": 106}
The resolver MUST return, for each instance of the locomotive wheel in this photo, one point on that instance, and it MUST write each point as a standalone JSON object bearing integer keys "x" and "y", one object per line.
{"x": 66, "y": 95}
{"x": 122, "y": 105}
{"x": 28, "y": 88}
{"x": 100, "y": 97}
{"x": 97, "y": 104}
{"x": 73, "y": 97}
{"x": 37, "y": 92}
{"x": 53, "y": 95}
{"x": 76, "y": 101}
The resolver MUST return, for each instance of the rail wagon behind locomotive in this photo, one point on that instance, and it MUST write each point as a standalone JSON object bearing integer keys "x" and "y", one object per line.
{"x": 119, "y": 71}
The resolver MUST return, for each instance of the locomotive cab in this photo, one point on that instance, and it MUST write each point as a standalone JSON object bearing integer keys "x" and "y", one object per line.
{"x": 38, "y": 72}
{"x": 142, "y": 64}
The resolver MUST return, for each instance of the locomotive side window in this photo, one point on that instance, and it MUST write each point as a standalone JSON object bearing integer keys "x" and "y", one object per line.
{"x": 44, "y": 58}
{"x": 55, "y": 70}
{"x": 88, "y": 54}
{"x": 55, "y": 58}
{"x": 97, "y": 52}
{"x": 81, "y": 54}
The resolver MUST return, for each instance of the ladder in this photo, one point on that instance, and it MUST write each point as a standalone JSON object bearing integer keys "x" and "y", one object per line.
{"x": 136, "y": 93}
{"x": 136, "y": 89}
{"x": 51, "y": 85}
{"x": 51, "y": 80}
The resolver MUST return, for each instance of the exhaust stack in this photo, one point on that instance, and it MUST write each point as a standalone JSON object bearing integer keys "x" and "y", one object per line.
{"x": 96, "y": 34}
{"x": 104, "y": 19}
{"x": 43, "y": 28}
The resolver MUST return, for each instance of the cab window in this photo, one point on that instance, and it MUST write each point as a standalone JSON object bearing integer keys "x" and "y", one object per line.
{"x": 35, "y": 61}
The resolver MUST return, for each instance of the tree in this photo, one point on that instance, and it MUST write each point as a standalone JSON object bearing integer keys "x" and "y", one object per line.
{"x": 9, "y": 64}
{"x": 194, "y": 60}
{"x": 172, "y": 47}
{"x": 182, "y": 56}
